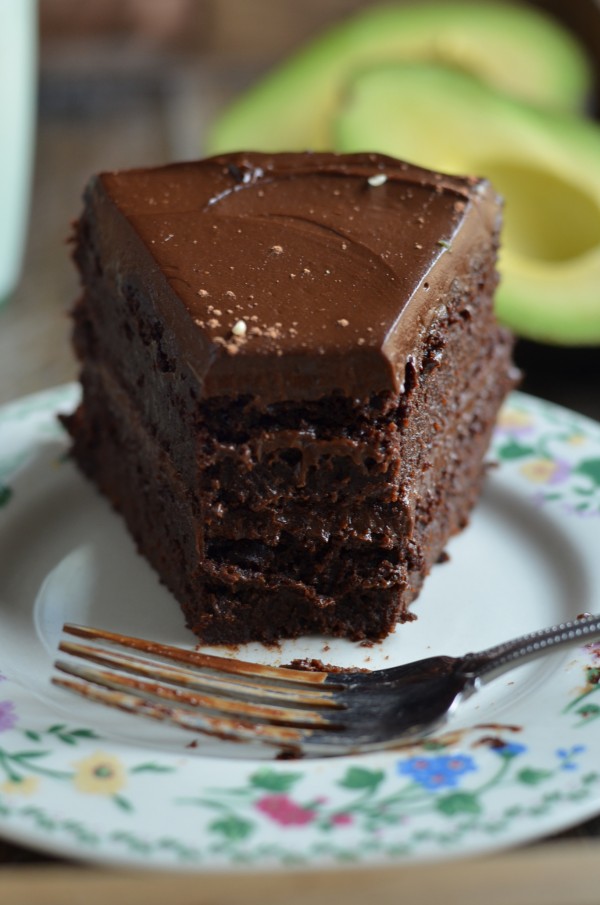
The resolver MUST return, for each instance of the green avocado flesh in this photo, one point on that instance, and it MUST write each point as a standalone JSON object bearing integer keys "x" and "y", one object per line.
{"x": 545, "y": 165}
{"x": 516, "y": 49}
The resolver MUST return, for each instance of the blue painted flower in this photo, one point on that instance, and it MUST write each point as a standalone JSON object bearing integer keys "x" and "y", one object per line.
{"x": 8, "y": 716}
{"x": 441, "y": 772}
{"x": 567, "y": 756}
{"x": 509, "y": 749}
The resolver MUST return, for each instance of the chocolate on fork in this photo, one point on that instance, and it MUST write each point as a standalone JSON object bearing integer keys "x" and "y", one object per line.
{"x": 314, "y": 713}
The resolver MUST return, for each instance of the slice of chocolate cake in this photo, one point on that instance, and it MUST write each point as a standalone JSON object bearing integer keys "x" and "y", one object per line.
{"x": 290, "y": 370}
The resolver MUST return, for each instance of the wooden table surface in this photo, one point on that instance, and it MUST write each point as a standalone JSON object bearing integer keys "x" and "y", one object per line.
{"x": 103, "y": 111}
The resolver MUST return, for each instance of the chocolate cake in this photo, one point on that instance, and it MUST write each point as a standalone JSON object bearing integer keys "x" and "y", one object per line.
{"x": 290, "y": 371}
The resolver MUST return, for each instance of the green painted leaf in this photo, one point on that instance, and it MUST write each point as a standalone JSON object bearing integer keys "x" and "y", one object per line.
{"x": 232, "y": 827}
{"x": 361, "y": 778}
{"x": 65, "y": 739}
{"x": 151, "y": 768}
{"x": 274, "y": 781}
{"x": 515, "y": 811}
{"x": 183, "y": 852}
{"x": 346, "y": 857}
{"x": 590, "y": 778}
{"x": 398, "y": 851}
{"x": 591, "y": 469}
{"x": 588, "y": 710}
{"x": 423, "y": 835}
{"x": 81, "y": 833}
{"x": 27, "y": 755}
{"x": 123, "y": 803}
{"x": 514, "y": 450}
{"x": 5, "y": 494}
{"x": 204, "y": 802}
{"x": 493, "y": 829}
{"x": 458, "y": 803}
{"x": 530, "y": 777}
{"x": 40, "y": 818}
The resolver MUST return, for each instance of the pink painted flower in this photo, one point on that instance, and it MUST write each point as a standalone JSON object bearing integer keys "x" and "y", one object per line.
{"x": 342, "y": 819}
{"x": 8, "y": 716}
{"x": 284, "y": 811}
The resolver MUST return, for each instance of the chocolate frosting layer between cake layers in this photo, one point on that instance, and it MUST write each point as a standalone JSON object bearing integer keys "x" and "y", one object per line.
{"x": 294, "y": 276}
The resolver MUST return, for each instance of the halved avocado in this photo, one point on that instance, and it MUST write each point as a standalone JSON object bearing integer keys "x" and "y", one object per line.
{"x": 515, "y": 48}
{"x": 546, "y": 165}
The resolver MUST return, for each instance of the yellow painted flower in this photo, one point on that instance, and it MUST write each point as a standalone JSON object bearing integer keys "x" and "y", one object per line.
{"x": 27, "y": 785}
{"x": 99, "y": 774}
{"x": 540, "y": 471}
{"x": 577, "y": 439}
{"x": 514, "y": 421}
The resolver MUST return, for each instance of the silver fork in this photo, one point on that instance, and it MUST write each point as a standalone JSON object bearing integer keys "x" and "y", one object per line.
{"x": 300, "y": 711}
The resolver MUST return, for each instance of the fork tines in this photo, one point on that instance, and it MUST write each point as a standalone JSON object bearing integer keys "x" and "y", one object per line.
{"x": 219, "y": 696}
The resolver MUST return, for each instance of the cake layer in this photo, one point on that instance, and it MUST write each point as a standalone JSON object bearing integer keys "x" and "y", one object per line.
{"x": 139, "y": 481}
{"x": 224, "y": 601}
{"x": 240, "y": 481}
{"x": 299, "y": 569}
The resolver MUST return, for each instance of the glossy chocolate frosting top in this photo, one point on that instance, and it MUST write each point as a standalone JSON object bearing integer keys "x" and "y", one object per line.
{"x": 292, "y": 276}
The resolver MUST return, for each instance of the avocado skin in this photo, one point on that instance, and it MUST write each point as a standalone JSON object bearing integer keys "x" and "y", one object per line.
{"x": 516, "y": 48}
{"x": 545, "y": 164}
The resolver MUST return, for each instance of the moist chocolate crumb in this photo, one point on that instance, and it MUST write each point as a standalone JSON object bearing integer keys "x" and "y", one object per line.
{"x": 289, "y": 754}
{"x": 311, "y": 664}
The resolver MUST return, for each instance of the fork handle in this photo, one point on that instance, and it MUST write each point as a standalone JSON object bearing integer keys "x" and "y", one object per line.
{"x": 488, "y": 664}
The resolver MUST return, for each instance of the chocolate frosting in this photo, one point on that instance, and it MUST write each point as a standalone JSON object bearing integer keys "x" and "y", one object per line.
{"x": 293, "y": 276}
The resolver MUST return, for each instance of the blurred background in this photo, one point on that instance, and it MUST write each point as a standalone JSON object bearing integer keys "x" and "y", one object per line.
{"x": 133, "y": 82}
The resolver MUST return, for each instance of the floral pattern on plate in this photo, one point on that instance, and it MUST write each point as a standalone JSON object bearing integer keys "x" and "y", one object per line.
{"x": 552, "y": 451}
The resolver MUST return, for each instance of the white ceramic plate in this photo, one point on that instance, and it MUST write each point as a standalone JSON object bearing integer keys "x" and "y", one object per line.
{"x": 516, "y": 762}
